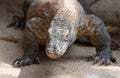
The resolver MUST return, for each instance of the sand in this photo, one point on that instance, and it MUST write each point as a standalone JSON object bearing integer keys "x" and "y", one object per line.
{"x": 72, "y": 65}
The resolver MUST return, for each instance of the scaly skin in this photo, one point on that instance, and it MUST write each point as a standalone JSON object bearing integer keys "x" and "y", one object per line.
{"x": 57, "y": 24}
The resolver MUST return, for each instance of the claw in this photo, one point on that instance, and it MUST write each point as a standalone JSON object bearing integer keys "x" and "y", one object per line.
{"x": 107, "y": 62}
{"x": 16, "y": 63}
{"x": 17, "y": 25}
{"x": 27, "y": 60}
{"x": 21, "y": 63}
{"x": 97, "y": 59}
{"x": 102, "y": 59}
{"x": 17, "y": 22}
{"x": 101, "y": 62}
{"x": 114, "y": 60}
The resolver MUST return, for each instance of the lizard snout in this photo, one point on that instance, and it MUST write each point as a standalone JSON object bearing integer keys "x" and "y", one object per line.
{"x": 52, "y": 54}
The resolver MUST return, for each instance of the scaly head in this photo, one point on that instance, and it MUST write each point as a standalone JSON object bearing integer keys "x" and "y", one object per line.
{"x": 60, "y": 35}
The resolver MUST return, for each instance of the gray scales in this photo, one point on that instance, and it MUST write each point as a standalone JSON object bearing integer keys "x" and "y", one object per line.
{"x": 56, "y": 24}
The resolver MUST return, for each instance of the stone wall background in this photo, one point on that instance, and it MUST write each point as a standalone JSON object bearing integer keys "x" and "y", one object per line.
{"x": 107, "y": 10}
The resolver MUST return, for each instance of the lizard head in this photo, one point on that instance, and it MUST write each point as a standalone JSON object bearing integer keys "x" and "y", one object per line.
{"x": 61, "y": 34}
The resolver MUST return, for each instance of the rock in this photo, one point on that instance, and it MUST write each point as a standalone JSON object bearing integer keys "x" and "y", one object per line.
{"x": 108, "y": 10}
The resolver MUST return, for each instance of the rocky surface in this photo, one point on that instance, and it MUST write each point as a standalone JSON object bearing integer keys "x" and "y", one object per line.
{"x": 108, "y": 10}
{"x": 72, "y": 65}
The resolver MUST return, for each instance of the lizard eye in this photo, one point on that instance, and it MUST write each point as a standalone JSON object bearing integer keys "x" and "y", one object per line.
{"x": 66, "y": 34}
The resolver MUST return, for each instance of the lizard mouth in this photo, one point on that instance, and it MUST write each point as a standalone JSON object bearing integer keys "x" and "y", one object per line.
{"x": 53, "y": 55}
{"x": 56, "y": 50}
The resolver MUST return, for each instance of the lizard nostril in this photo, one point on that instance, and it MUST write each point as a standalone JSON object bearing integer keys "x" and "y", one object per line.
{"x": 57, "y": 50}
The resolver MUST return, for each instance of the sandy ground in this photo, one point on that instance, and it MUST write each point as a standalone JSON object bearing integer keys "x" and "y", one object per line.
{"x": 72, "y": 65}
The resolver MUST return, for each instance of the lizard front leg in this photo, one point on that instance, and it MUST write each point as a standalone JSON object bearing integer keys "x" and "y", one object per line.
{"x": 101, "y": 40}
{"x": 31, "y": 46}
